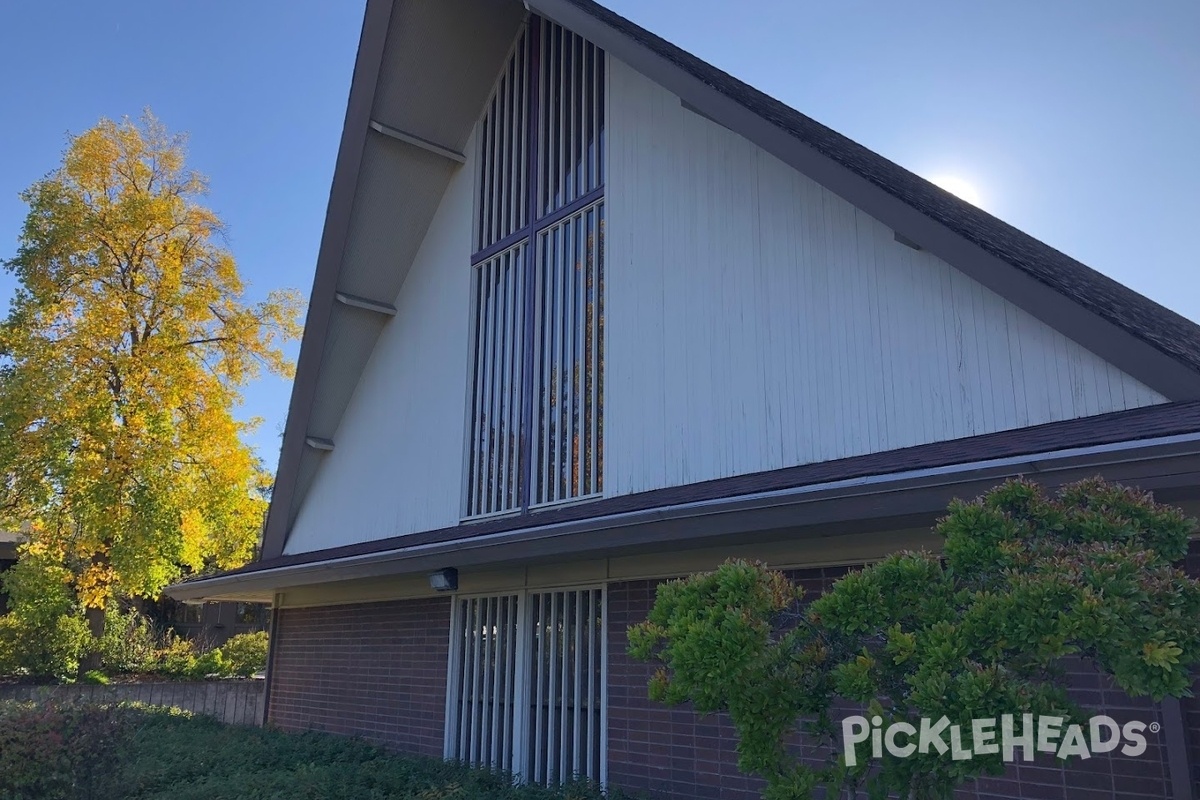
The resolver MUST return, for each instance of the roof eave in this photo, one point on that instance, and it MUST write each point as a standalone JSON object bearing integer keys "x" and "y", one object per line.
{"x": 333, "y": 241}
{"x": 901, "y": 499}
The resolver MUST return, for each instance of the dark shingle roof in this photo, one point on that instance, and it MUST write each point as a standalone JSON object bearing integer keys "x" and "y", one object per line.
{"x": 1170, "y": 333}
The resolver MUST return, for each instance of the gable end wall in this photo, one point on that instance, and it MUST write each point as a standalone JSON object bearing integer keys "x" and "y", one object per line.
{"x": 755, "y": 320}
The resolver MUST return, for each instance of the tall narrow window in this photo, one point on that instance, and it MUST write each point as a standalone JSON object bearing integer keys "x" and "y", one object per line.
{"x": 525, "y": 684}
{"x": 537, "y": 404}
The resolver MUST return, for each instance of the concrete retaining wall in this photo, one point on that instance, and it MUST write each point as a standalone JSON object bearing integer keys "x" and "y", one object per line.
{"x": 233, "y": 702}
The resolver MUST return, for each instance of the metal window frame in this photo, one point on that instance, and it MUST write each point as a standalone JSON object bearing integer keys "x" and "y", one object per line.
{"x": 535, "y": 158}
{"x": 516, "y": 728}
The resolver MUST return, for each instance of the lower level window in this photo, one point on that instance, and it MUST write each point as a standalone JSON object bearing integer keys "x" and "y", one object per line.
{"x": 525, "y": 689}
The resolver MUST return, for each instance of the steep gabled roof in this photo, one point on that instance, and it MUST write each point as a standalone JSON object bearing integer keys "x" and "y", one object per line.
{"x": 1142, "y": 338}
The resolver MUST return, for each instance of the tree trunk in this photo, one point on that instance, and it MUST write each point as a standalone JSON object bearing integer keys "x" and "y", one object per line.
{"x": 95, "y": 621}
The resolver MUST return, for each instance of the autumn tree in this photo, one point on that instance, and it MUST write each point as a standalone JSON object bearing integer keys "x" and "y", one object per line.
{"x": 122, "y": 360}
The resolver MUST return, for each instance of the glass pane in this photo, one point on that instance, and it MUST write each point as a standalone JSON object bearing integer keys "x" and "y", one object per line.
{"x": 568, "y": 363}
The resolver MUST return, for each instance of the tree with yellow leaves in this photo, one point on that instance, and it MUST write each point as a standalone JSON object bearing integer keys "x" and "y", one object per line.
{"x": 121, "y": 365}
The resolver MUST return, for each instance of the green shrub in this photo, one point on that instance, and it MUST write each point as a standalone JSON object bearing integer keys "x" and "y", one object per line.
{"x": 182, "y": 659}
{"x": 246, "y": 653}
{"x": 129, "y": 643}
{"x": 210, "y": 663}
{"x": 42, "y": 648}
{"x": 1024, "y": 580}
{"x": 136, "y": 753}
{"x": 65, "y": 752}
{"x": 176, "y": 658}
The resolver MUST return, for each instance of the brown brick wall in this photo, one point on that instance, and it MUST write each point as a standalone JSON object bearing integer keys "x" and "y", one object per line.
{"x": 376, "y": 670}
{"x": 675, "y": 753}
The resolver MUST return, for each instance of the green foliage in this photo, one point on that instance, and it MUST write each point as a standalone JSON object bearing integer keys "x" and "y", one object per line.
{"x": 52, "y": 646}
{"x": 177, "y": 658}
{"x": 1024, "y": 580}
{"x": 209, "y": 663}
{"x": 125, "y": 348}
{"x": 245, "y": 654}
{"x": 129, "y": 643}
{"x": 146, "y": 754}
{"x": 42, "y": 649}
{"x": 242, "y": 655}
{"x": 95, "y": 676}
{"x": 56, "y": 752}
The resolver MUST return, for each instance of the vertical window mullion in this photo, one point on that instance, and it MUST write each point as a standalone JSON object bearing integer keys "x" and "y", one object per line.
{"x": 594, "y": 327}
{"x": 468, "y": 641}
{"x": 486, "y": 698}
{"x": 564, "y": 688}
{"x": 475, "y": 484}
{"x": 579, "y": 375}
{"x": 505, "y": 388}
{"x": 539, "y": 774}
{"x": 553, "y": 332}
{"x": 481, "y": 210}
{"x": 572, "y": 133}
{"x": 494, "y": 307}
{"x": 510, "y": 149}
{"x": 473, "y": 732}
{"x": 517, "y": 378}
{"x": 494, "y": 175}
{"x": 591, "y": 695}
{"x": 510, "y": 633}
{"x": 577, "y": 768}
{"x": 589, "y": 357}
{"x": 598, "y": 437}
{"x": 483, "y": 380}
{"x": 572, "y": 334}
{"x": 602, "y": 115}
{"x": 560, "y": 336}
{"x": 590, "y": 124}
{"x": 545, "y": 362}
{"x": 520, "y": 171}
{"x": 561, "y": 97}
{"x": 553, "y": 693}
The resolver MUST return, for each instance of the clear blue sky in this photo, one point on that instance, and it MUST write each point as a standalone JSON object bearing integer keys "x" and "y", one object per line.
{"x": 1076, "y": 120}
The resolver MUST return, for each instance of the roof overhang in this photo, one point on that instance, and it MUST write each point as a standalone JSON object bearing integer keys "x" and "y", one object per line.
{"x": 423, "y": 73}
{"x": 1169, "y": 465}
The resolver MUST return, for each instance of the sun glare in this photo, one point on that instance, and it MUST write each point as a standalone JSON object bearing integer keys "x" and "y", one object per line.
{"x": 958, "y": 187}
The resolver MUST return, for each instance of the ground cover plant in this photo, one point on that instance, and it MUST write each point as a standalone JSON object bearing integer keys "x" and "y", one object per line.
{"x": 132, "y": 752}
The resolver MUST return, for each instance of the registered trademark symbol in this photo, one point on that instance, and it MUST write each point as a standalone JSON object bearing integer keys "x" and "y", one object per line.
{"x": 1155, "y": 727}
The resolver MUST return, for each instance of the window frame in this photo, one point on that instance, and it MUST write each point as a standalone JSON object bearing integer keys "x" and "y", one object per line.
{"x": 528, "y": 235}
{"x": 526, "y": 736}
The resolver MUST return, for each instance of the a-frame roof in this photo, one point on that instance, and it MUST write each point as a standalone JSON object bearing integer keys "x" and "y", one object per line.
{"x": 423, "y": 72}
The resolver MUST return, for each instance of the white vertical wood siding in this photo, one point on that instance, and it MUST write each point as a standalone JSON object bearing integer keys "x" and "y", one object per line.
{"x": 397, "y": 466}
{"x": 755, "y": 320}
